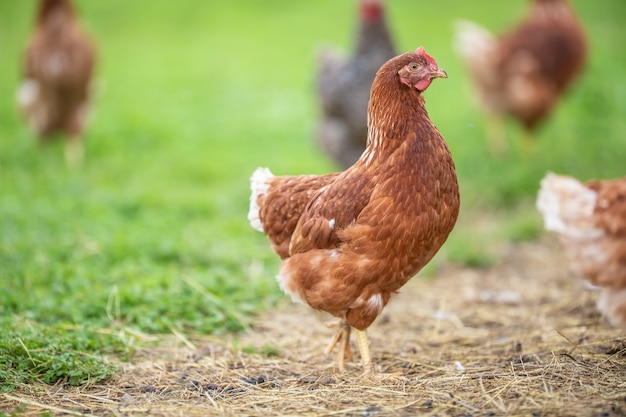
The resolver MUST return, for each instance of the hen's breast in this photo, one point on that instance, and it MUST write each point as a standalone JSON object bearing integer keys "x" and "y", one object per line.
{"x": 411, "y": 212}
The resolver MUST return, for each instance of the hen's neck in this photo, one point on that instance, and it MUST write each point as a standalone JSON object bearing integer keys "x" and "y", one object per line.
{"x": 51, "y": 8}
{"x": 373, "y": 34}
{"x": 395, "y": 117}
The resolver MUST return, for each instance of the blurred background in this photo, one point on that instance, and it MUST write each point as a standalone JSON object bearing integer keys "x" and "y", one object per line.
{"x": 191, "y": 96}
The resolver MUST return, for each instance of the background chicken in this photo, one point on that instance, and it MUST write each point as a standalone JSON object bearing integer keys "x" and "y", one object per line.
{"x": 58, "y": 67}
{"x": 343, "y": 85}
{"x": 349, "y": 240}
{"x": 522, "y": 73}
{"x": 591, "y": 222}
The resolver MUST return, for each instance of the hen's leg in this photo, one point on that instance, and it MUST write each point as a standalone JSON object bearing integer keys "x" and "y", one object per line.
{"x": 369, "y": 371}
{"x": 342, "y": 336}
{"x": 364, "y": 349}
{"x": 496, "y": 135}
{"x": 527, "y": 144}
{"x": 74, "y": 152}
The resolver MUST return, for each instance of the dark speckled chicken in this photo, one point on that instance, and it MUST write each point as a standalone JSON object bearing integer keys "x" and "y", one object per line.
{"x": 343, "y": 86}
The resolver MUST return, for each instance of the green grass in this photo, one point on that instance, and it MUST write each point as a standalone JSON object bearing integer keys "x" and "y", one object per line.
{"x": 151, "y": 233}
{"x": 31, "y": 352}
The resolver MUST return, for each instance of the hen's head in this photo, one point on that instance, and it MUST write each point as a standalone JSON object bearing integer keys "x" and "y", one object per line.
{"x": 418, "y": 69}
{"x": 372, "y": 10}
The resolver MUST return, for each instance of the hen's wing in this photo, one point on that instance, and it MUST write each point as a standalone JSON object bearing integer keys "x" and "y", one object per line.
{"x": 329, "y": 211}
{"x": 610, "y": 210}
{"x": 276, "y": 204}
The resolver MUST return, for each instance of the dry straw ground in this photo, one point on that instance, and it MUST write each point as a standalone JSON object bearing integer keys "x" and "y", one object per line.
{"x": 522, "y": 338}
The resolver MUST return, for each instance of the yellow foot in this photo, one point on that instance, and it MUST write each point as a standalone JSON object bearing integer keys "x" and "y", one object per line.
{"x": 496, "y": 136}
{"x": 369, "y": 371}
{"x": 342, "y": 336}
{"x": 527, "y": 145}
{"x": 74, "y": 152}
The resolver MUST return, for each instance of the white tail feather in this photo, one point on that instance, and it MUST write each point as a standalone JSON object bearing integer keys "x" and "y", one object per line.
{"x": 258, "y": 186}
{"x": 567, "y": 206}
{"x": 27, "y": 93}
{"x": 473, "y": 42}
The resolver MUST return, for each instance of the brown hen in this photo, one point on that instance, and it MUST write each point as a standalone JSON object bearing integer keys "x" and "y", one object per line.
{"x": 591, "y": 222}
{"x": 58, "y": 66}
{"x": 350, "y": 240}
{"x": 522, "y": 73}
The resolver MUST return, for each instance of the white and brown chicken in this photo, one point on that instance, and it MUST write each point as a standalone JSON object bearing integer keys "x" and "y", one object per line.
{"x": 590, "y": 219}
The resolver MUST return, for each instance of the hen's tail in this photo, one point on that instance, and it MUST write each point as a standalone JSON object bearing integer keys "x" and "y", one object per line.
{"x": 258, "y": 186}
{"x": 567, "y": 206}
{"x": 473, "y": 42}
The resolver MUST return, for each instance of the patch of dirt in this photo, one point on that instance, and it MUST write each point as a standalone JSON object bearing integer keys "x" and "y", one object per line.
{"x": 522, "y": 338}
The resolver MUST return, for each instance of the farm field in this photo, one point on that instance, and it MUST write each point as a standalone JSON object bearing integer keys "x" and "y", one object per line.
{"x": 116, "y": 276}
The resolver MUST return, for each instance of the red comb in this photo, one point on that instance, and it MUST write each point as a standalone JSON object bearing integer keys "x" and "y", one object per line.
{"x": 422, "y": 52}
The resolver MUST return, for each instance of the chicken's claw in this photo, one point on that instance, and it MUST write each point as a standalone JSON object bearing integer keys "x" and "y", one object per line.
{"x": 342, "y": 336}
{"x": 369, "y": 371}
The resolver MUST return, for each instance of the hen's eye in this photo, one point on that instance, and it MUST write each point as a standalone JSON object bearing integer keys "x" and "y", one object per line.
{"x": 413, "y": 66}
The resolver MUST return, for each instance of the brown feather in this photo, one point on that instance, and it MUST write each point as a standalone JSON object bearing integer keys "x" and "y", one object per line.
{"x": 283, "y": 204}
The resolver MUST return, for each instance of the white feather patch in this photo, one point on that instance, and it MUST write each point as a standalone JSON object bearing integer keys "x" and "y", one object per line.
{"x": 258, "y": 186}
{"x": 471, "y": 40}
{"x": 284, "y": 281}
{"x": 567, "y": 206}
{"x": 56, "y": 64}
{"x": 373, "y": 304}
{"x": 27, "y": 93}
